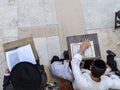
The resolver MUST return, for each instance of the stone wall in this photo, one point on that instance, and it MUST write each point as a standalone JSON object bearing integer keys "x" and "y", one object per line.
{"x": 51, "y": 21}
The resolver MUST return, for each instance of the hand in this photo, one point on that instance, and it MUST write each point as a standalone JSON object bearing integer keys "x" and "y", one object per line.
{"x": 7, "y": 71}
{"x": 84, "y": 46}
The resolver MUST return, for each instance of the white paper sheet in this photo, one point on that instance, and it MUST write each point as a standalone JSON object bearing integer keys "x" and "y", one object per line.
{"x": 20, "y": 54}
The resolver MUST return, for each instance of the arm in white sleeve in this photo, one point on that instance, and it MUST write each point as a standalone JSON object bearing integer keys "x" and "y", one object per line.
{"x": 115, "y": 82}
{"x": 79, "y": 78}
{"x": 114, "y": 79}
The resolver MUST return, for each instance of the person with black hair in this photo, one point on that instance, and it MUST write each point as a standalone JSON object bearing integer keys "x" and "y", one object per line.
{"x": 61, "y": 68}
{"x": 95, "y": 79}
{"x": 24, "y": 76}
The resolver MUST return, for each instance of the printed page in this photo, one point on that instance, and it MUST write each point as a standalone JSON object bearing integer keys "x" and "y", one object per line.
{"x": 88, "y": 52}
{"x": 12, "y": 58}
{"x": 25, "y": 53}
{"x": 20, "y": 54}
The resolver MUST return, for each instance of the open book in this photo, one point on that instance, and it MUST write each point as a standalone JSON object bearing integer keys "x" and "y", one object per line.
{"x": 90, "y": 52}
{"x": 20, "y": 54}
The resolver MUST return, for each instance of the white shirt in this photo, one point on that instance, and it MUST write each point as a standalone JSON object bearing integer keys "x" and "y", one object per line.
{"x": 61, "y": 70}
{"x": 83, "y": 81}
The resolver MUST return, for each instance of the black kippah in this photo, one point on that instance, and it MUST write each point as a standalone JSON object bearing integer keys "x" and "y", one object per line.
{"x": 99, "y": 63}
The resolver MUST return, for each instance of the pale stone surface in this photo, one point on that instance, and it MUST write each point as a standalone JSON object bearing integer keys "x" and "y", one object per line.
{"x": 8, "y": 21}
{"x": 3, "y": 66}
{"x": 32, "y": 31}
{"x": 118, "y": 62}
{"x": 5, "y": 40}
{"x": 47, "y": 48}
{"x": 7, "y": 2}
{"x": 53, "y": 47}
{"x": 51, "y": 30}
{"x": 10, "y": 33}
{"x": 28, "y": 14}
{"x": 99, "y": 13}
{"x": 38, "y": 31}
{"x": 2, "y": 58}
{"x": 1, "y": 33}
{"x": 1, "y": 80}
{"x": 117, "y": 32}
{"x": 1, "y": 47}
{"x": 41, "y": 47}
{"x": 36, "y": 13}
{"x": 107, "y": 41}
{"x": 49, "y": 12}
{"x": 70, "y": 19}
{"x": 117, "y": 5}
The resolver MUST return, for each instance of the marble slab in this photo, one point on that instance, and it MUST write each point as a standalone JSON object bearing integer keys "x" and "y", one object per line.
{"x": 70, "y": 20}
{"x": 41, "y": 47}
{"x": 53, "y": 46}
{"x": 36, "y": 13}
{"x": 7, "y": 2}
{"x": 99, "y": 13}
{"x": 8, "y": 21}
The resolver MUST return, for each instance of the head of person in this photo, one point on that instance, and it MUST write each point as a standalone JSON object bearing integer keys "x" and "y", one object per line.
{"x": 98, "y": 68}
{"x": 25, "y": 76}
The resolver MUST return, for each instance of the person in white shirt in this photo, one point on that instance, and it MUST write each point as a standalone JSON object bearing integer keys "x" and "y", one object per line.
{"x": 62, "y": 70}
{"x": 95, "y": 79}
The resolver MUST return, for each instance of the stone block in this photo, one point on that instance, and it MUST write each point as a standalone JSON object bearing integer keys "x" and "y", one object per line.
{"x": 7, "y": 3}
{"x": 97, "y": 14}
{"x": 38, "y": 31}
{"x": 53, "y": 47}
{"x": 70, "y": 20}
{"x": 35, "y": 13}
{"x": 50, "y": 12}
{"x": 8, "y": 21}
{"x": 41, "y": 47}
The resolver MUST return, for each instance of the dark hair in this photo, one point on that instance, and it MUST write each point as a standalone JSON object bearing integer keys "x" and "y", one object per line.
{"x": 98, "y": 68}
{"x": 88, "y": 63}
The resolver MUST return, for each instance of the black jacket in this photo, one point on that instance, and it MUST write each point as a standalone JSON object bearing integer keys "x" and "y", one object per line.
{"x": 6, "y": 83}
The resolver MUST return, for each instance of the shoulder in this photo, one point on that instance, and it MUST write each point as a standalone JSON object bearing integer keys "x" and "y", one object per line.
{"x": 110, "y": 82}
{"x": 106, "y": 80}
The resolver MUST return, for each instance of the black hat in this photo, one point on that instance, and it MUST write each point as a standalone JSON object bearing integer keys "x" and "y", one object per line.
{"x": 25, "y": 76}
